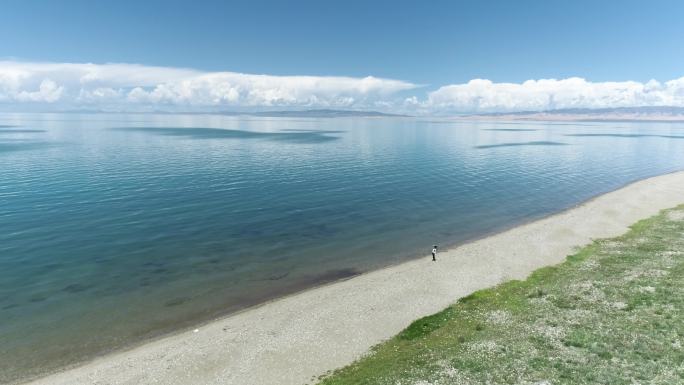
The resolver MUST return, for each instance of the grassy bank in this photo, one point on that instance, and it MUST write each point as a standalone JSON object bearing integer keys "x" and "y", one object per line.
{"x": 611, "y": 314}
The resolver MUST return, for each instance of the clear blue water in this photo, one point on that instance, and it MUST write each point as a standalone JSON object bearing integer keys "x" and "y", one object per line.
{"x": 117, "y": 228}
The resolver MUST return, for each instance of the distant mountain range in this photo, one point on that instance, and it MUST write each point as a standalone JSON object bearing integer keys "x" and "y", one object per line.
{"x": 646, "y": 113}
{"x": 323, "y": 113}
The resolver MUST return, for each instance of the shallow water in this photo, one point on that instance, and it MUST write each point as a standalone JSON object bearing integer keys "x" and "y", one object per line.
{"x": 115, "y": 228}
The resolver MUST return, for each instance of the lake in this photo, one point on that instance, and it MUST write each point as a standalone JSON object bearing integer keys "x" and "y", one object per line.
{"x": 118, "y": 228}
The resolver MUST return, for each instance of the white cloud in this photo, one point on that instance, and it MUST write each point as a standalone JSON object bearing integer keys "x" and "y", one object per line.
{"x": 481, "y": 95}
{"x": 48, "y": 92}
{"x": 135, "y": 87}
{"x": 132, "y": 87}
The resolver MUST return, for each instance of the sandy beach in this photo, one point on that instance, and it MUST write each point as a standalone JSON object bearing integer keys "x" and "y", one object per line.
{"x": 295, "y": 339}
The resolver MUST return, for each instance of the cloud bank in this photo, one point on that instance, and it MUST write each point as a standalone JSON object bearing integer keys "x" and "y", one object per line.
{"x": 136, "y": 87}
{"x": 481, "y": 95}
{"x": 132, "y": 87}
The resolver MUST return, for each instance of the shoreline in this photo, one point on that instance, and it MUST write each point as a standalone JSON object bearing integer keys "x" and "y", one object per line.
{"x": 288, "y": 340}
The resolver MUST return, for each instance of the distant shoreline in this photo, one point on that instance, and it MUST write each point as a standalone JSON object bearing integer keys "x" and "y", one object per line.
{"x": 320, "y": 113}
{"x": 625, "y": 114}
{"x": 287, "y": 341}
{"x": 622, "y": 114}
{"x": 569, "y": 118}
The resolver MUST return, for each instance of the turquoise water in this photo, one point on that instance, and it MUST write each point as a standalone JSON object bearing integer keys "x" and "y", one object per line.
{"x": 116, "y": 228}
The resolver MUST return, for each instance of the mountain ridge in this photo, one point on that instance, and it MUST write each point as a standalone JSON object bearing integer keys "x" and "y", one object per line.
{"x": 639, "y": 113}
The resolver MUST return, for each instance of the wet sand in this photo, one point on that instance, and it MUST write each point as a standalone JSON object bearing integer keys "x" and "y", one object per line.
{"x": 297, "y": 338}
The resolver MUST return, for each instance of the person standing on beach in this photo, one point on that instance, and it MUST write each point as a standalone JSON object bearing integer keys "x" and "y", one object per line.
{"x": 434, "y": 253}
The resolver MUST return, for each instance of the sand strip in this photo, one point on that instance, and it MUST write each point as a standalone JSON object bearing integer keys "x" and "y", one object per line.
{"x": 291, "y": 340}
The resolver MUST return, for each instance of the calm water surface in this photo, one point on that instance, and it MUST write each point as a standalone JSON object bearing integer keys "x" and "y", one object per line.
{"x": 116, "y": 228}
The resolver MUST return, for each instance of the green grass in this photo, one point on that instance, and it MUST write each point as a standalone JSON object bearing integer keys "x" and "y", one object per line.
{"x": 613, "y": 313}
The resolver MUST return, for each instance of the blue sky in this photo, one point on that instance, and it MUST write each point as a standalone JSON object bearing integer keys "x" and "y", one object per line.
{"x": 431, "y": 44}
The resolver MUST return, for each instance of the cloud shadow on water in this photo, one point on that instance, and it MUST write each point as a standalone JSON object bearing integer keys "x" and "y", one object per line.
{"x": 219, "y": 133}
{"x": 510, "y": 129}
{"x": 546, "y": 123}
{"x": 627, "y": 136}
{"x": 521, "y": 144}
{"x": 4, "y": 131}
{"x": 12, "y": 146}
{"x": 312, "y": 131}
